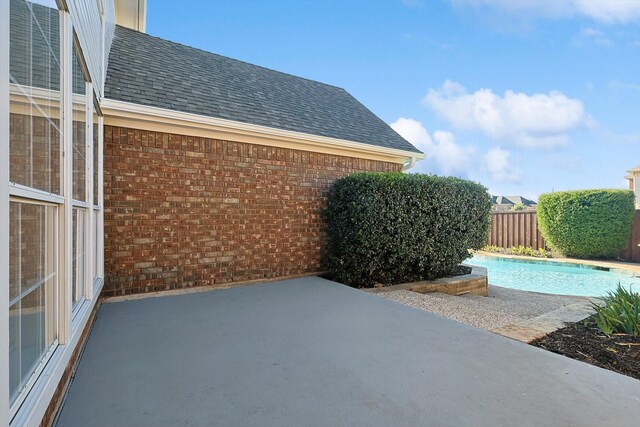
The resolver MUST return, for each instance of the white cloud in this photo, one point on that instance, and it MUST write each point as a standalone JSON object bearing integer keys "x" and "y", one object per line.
{"x": 449, "y": 158}
{"x": 452, "y": 158}
{"x": 534, "y": 121}
{"x": 618, "y": 85}
{"x": 565, "y": 162}
{"x": 609, "y": 11}
{"x": 605, "y": 11}
{"x": 499, "y": 166}
{"x": 595, "y": 36}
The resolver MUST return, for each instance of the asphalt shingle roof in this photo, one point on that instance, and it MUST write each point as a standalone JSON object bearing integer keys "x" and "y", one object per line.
{"x": 151, "y": 71}
{"x": 512, "y": 200}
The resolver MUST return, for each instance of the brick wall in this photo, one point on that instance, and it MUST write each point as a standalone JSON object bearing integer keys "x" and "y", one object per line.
{"x": 183, "y": 211}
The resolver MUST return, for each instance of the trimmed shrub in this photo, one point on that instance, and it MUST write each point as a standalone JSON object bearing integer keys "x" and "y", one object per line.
{"x": 587, "y": 223}
{"x": 393, "y": 228}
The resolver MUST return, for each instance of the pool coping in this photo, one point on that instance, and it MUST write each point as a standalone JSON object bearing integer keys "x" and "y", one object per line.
{"x": 538, "y": 327}
{"x": 616, "y": 265}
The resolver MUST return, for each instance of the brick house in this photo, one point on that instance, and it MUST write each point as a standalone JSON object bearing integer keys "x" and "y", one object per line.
{"x": 136, "y": 164}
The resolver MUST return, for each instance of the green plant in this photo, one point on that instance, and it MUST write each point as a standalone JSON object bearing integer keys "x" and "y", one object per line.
{"x": 520, "y": 250}
{"x": 392, "y": 227}
{"x": 619, "y": 313}
{"x": 587, "y": 223}
{"x": 518, "y": 207}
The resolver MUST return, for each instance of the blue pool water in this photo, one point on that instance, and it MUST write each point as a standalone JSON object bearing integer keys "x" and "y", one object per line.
{"x": 553, "y": 277}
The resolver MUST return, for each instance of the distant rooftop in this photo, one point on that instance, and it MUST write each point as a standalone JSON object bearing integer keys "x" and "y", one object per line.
{"x": 512, "y": 200}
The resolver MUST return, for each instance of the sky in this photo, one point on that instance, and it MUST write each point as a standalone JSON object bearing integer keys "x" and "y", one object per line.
{"x": 524, "y": 97}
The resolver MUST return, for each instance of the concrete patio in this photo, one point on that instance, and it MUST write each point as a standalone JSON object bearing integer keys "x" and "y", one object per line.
{"x": 315, "y": 353}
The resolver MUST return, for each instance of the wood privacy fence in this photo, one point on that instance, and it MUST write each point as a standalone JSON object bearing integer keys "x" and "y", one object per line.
{"x": 512, "y": 229}
{"x": 632, "y": 251}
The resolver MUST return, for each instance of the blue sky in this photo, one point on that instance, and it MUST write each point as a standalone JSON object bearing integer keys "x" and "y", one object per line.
{"x": 525, "y": 97}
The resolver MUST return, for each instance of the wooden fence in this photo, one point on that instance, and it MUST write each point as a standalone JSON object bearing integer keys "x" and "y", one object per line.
{"x": 512, "y": 229}
{"x": 632, "y": 251}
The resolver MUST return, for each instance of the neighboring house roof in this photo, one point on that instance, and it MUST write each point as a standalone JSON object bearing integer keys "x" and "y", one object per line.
{"x": 636, "y": 169}
{"x": 512, "y": 200}
{"x": 150, "y": 71}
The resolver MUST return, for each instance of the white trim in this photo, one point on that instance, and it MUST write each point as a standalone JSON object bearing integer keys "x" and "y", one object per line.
{"x": 88, "y": 282}
{"x": 100, "y": 196}
{"x": 33, "y": 410}
{"x": 66, "y": 214}
{"x": 80, "y": 205}
{"x": 19, "y": 190}
{"x": 120, "y": 113}
{"x": 4, "y": 213}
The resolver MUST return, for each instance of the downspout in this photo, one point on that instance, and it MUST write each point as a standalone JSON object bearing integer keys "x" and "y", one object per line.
{"x": 410, "y": 163}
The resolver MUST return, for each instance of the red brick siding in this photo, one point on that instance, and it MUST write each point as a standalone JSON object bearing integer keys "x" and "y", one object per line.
{"x": 184, "y": 211}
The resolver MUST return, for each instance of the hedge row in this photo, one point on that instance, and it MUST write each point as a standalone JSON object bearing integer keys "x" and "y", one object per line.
{"x": 587, "y": 223}
{"x": 392, "y": 228}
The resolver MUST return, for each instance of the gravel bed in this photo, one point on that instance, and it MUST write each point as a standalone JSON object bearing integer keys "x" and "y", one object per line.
{"x": 502, "y": 307}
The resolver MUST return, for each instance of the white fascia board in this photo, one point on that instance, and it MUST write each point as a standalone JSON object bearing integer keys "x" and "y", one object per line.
{"x": 114, "y": 110}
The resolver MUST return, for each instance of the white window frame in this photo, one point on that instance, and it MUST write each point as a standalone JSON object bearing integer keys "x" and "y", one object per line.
{"x": 4, "y": 211}
{"x": 85, "y": 290}
{"x": 31, "y": 404}
{"x": 28, "y": 195}
{"x": 54, "y": 315}
{"x": 97, "y": 265}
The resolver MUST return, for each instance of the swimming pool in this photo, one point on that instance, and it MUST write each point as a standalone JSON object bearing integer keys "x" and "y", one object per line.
{"x": 553, "y": 277}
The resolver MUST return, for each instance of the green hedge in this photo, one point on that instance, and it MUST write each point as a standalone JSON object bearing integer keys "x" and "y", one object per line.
{"x": 393, "y": 228}
{"x": 587, "y": 223}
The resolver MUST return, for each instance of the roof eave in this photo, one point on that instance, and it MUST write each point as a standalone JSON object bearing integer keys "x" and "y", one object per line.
{"x": 127, "y": 114}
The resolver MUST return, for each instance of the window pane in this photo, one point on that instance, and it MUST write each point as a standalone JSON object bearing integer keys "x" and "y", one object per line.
{"x": 96, "y": 136}
{"x": 32, "y": 290}
{"x": 78, "y": 255}
{"x": 79, "y": 131}
{"x": 96, "y": 229}
{"x": 34, "y": 134}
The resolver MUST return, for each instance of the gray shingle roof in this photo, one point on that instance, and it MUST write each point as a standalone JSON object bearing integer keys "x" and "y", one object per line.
{"x": 151, "y": 71}
{"x": 512, "y": 200}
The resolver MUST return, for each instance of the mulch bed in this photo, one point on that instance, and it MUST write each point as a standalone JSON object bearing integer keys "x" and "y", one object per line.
{"x": 584, "y": 341}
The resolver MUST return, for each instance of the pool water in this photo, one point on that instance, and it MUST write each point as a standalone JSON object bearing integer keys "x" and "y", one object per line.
{"x": 554, "y": 277}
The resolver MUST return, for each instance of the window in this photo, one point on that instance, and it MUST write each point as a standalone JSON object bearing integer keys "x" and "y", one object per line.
{"x": 35, "y": 135}
{"x": 97, "y": 216}
{"x": 32, "y": 292}
{"x": 35, "y": 140}
{"x": 80, "y": 150}
{"x": 78, "y": 254}
{"x": 79, "y": 131}
{"x": 96, "y": 153}
{"x": 50, "y": 219}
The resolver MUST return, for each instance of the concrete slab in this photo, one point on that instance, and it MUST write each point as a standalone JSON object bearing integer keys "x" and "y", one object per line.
{"x": 315, "y": 353}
